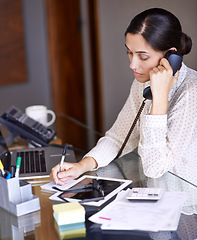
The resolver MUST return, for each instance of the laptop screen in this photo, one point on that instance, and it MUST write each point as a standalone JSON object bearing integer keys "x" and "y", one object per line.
{"x": 4, "y": 153}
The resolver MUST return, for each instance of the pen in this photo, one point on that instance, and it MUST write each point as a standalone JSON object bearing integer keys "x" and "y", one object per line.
{"x": 18, "y": 164}
{"x": 63, "y": 156}
{"x": 12, "y": 171}
{"x": 2, "y": 168}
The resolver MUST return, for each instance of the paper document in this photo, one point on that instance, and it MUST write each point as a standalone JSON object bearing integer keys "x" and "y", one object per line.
{"x": 122, "y": 214}
{"x": 49, "y": 186}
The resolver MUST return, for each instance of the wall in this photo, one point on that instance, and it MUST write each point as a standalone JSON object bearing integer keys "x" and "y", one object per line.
{"x": 37, "y": 88}
{"x": 115, "y": 16}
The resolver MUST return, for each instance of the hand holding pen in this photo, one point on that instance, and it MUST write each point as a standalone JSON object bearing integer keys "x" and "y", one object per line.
{"x": 64, "y": 171}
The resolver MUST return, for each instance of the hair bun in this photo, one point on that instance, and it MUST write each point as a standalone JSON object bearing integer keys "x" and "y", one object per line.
{"x": 186, "y": 44}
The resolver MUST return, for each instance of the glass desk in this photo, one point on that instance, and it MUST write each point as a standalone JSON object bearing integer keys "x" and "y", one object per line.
{"x": 40, "y": 225}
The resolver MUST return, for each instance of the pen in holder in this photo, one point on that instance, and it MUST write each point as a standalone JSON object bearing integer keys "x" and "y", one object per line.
{"x": 17, "y": 197}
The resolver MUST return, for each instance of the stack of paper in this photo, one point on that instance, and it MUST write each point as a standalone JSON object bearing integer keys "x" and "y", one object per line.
{"x": 69, "y": 220}
{"x": 122, "y": 214}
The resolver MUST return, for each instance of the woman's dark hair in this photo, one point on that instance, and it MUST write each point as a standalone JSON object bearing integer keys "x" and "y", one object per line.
{"x": 161, "y": 29}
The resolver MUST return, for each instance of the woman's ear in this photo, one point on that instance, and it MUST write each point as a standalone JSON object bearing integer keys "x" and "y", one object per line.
{"x": 170, "y": 51}
{"x": 173, "y": 49}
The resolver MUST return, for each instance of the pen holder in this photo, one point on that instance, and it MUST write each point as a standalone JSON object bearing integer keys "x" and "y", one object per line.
{"x": 16, "y": 228}
{"x": 17, "y": 197}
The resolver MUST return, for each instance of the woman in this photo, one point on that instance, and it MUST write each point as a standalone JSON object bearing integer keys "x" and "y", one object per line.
{"x": 167, "y": 130}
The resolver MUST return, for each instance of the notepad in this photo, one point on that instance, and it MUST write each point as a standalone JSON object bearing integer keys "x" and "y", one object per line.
{"x": 68, "y": 213}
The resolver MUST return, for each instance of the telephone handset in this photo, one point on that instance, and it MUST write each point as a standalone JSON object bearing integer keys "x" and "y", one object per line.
{"x": 19, "y": 124}
{"x": 175, "y": 60}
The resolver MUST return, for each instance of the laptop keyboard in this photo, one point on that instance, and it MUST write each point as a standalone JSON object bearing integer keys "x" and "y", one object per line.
{"x": 32, "y": 161}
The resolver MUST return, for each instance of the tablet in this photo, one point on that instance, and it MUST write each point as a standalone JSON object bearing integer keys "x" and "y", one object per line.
{"x": 83, "y": 192}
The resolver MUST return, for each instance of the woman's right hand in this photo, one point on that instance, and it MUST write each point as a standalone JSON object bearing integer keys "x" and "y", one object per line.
{"x": 72, "y": 170}
{"x": 69, "y": 171}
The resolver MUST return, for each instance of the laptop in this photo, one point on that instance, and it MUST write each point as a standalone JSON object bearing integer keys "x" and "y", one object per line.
{"x": 35, "y": 162}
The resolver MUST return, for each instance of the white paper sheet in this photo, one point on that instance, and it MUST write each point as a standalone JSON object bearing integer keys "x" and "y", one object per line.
{"x": 122, "y": 214}
{"x": 49, "y": 186}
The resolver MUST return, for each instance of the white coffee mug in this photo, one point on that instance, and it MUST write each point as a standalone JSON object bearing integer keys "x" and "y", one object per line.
{"x": 40, "y": 113}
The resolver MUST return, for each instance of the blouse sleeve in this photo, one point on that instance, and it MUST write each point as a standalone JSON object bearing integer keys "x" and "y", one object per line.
{"x": 108, "y": 146}
{"x": 165, "y": 139}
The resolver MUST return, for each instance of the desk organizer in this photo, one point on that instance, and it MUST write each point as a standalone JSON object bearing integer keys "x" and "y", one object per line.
{"x": 17, "y": 197}
{"x": 16, "y": 228}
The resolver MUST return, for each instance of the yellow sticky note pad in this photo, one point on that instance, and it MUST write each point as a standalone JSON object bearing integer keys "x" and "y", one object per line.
{"x": 68, "y": 213}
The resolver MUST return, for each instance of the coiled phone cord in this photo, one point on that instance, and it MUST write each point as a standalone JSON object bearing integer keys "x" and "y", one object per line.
{"x": 128, "y": 136}
{"x": 131, "y": 129}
